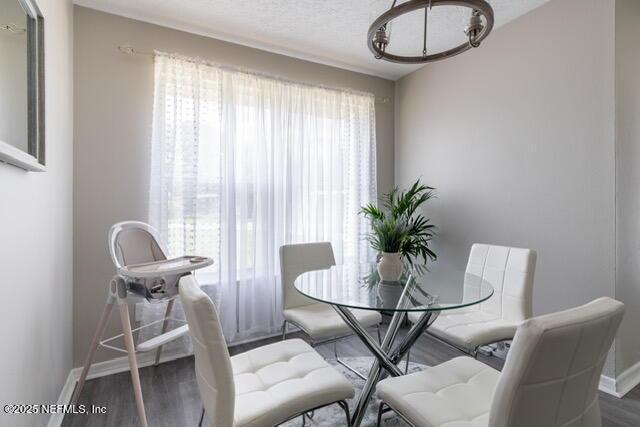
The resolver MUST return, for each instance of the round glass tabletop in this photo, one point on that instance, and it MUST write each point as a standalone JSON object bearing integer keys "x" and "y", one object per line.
{"x": 358, "y": 286}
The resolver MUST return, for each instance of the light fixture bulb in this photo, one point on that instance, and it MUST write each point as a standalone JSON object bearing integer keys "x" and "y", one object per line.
{"x": 474, "y": 28}
{"x": 380, "y": 41}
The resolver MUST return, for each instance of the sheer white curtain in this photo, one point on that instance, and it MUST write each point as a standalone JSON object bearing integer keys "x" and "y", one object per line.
{"x": 243, "y": 163}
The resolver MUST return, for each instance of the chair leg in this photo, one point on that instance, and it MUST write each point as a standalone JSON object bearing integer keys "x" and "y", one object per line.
{"x": 102, "y": 325}
{"x": 284, "y": 330}
{"x": 201, "y": 417}
{"x": 345, "y": 407}
{"x": 165, "y": 324}
{"x": 133, "y": 363}
{"x": 343, "y": 363}
{"x": 474, "y": 353}
{"x": 406, "y": 366}
{"x": 381, "y": 411}
{"x": 379, "y": 336}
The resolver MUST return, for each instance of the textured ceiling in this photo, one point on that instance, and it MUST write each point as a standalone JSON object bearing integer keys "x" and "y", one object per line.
{"x": 326, "y": 31}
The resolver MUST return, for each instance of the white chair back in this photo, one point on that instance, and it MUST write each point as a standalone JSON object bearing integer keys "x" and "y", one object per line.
{"x": 299, "y": 258}
{"x": 510, "y": 273}
{"x": 214, "y": 373}
{"x": 552, "y": 372}
{"x": 134, "y": 242}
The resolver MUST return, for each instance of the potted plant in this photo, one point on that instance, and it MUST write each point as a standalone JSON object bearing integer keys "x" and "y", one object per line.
{"x": 399, "y": 232}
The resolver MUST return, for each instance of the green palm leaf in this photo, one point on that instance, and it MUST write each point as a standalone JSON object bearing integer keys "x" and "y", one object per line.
{"x": 398, "y": 227}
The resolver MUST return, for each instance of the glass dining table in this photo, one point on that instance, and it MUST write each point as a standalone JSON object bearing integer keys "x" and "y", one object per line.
{"x": 358, "y": 286}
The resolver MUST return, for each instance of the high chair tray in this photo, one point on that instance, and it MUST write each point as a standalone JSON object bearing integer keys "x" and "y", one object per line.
{"x": 180, "y": 265}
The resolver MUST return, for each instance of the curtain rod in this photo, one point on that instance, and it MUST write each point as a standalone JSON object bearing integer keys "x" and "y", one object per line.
{"x": 130, "y": 50}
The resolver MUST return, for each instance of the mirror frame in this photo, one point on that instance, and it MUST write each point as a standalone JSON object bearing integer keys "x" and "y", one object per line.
{"x": 34, "y": 160}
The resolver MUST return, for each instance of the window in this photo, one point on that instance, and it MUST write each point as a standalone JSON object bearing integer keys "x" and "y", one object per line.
{"x": 243, "y": 163}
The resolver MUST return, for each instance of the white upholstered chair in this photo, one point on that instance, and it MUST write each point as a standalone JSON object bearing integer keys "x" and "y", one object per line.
{"x": 510, "y": 272}
{"x": 318, "y": 321}
{"x": 263, "y": 387}
{"x": 550, "y": 377}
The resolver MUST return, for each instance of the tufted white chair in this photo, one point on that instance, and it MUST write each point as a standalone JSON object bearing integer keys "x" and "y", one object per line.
{"x": 263, "y": 387}
{"x": 550, "y": 377}
{"x": 510, "y": 272}
{"x": 319, "y": 321}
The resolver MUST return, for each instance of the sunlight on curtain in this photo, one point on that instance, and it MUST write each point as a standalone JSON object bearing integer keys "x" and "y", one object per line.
{"x": 242, "y": 163}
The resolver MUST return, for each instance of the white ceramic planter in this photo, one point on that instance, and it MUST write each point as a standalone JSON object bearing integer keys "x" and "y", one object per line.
{"x": 390, "y": 266}
{"x": 390, "y": 294}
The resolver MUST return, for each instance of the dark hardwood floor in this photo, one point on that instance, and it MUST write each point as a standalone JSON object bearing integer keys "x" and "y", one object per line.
{"x": 172, "y": 399}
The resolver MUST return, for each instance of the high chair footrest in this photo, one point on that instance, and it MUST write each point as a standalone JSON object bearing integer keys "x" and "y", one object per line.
{"x": 162, "y": 339}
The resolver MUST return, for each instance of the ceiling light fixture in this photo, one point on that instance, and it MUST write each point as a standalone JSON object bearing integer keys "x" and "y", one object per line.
{"x": 379, "y": 34}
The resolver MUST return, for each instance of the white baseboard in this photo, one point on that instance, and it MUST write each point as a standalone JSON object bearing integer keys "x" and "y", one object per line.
{"x": 623, "y": 384}
{"x": 608, "y": 385}
{"x": 65, "y": 396}
{"x": 628, "y": 379}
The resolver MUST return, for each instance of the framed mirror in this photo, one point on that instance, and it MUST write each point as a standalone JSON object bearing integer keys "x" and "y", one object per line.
{"x": 22, "y": 85}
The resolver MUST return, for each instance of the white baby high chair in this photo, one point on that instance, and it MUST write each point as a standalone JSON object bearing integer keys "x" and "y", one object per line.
{"x": 143, "y": 273}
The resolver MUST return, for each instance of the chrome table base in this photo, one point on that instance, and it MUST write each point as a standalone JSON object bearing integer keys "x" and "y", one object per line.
{"x": 386, "y": 358}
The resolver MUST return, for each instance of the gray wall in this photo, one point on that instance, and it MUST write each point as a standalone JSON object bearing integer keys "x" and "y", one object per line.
{"x": 518, "y": 138}
{"x": 36, "y": 243}
{"x": 113, "y": 105}
{"x": 628, "y": 179}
